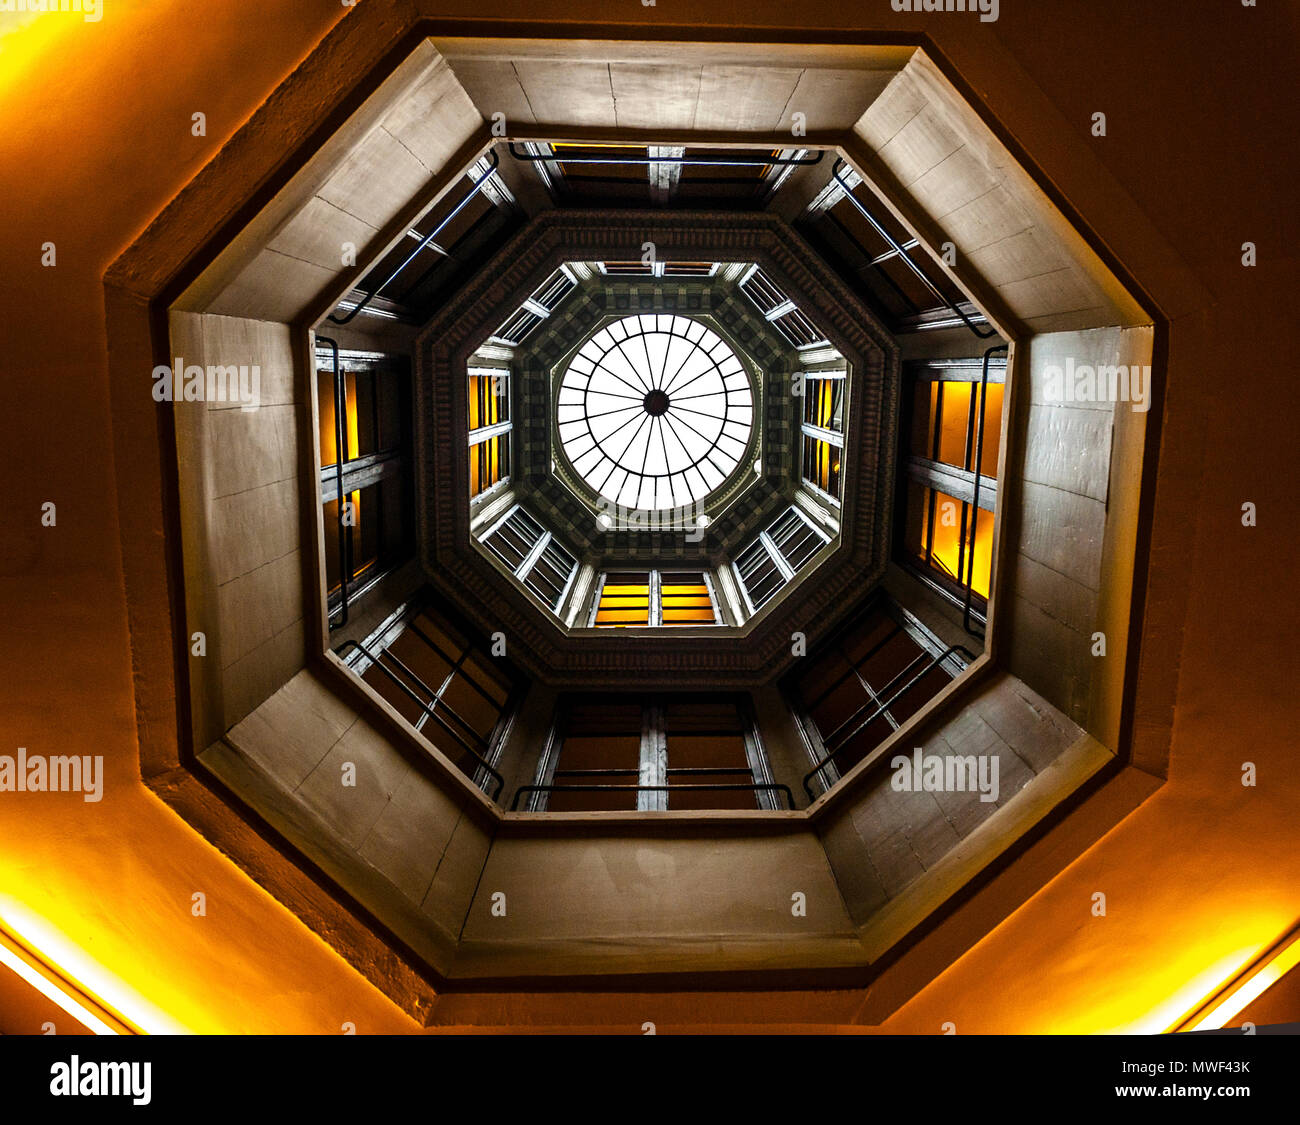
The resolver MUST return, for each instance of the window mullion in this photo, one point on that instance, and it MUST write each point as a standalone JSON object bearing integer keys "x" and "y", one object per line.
{"x": 654, "y": 759}
{"x": 778, "y": 559}
{"x": 655, "y": 609}
{"x": 530, "y": 559}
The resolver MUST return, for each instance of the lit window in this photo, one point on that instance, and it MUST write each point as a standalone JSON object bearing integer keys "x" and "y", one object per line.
{"x": 489, "y": 428}
{"x": 823, "y": 431}
{"x": 655, "y": 411}
{"x": 654, "y": 597}
{"x": 624, "y": 600}
{"x": 945, "y": 535}
{"x": 947, "y": 515}
{"x": 684, "y": 599}
{"x": 489, "y": 464}
{"x": 372, "y": 531}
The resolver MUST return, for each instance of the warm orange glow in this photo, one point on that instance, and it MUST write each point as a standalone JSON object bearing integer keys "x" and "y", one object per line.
{"x": 952, "y": 426}
{"x": 484, "y": 401}
{"x": 1250, "y": 985}
{"x": 624, "y": 603}
{"x": 992, "y": 443}
{"x": 62, "y": 971}
{"x": 946, "y": 547}
{"x": 686, "y": 603}
{"x": 50, "y": 984}
{"x": 354, "y": 440}
{"x": 28, "y": 38}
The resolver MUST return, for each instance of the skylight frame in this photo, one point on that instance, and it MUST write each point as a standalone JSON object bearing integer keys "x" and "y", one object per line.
{"x": 645, "y": 461}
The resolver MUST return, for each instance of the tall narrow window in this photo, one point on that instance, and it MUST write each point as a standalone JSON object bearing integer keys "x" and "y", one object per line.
{"x": 947, "y": 504}
{"x": 489, "y": 428}
{"x": 365, "y": 493}
{"x": 823, "y": 431}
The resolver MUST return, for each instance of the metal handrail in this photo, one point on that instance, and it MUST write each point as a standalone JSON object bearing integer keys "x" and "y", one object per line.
{"x": 426, "y": 708}
{"x": 493, "y": 161}
{"x": 975, "y": 502}
{"x": 340, "y": 455}
{"x": 833, "y": 736}
{"x": 406, "y": 670}
{"x": 902, "y": 253}
{"x": 756, "y": 786}
{"x": 934, "y": 663}
{"x": 704, "y": 161}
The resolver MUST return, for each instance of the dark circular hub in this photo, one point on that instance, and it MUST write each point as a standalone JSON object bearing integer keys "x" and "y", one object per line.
{"x": 655, "y": 403}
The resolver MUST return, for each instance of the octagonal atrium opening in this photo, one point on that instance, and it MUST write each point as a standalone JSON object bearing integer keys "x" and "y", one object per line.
{"x": 654, "y": 475}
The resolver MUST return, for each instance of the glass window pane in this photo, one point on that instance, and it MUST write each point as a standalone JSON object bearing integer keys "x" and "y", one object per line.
{"x": 489, "y": 463}
{"x": 821, "y": 465}
{"x": 945, "y": 545}
{"x": 992, "y": 443}
{"x": 360, "y": 391}
{"x": 956, "y": 401}
{"x": 684, "y": 600}
{"x": 655, "y": 411}
{"x": 325, "y": 409}
{"x": 983, "y": 553}
{"x": 624, "y": 600}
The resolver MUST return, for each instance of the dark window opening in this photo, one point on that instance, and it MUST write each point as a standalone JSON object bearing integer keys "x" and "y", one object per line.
{"x": 626, "y": 753}
{"x": 862, "y": 685}
{"x": 443, "y": 681}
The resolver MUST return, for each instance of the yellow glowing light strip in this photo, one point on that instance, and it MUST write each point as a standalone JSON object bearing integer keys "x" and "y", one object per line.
{"x": 64, "y": 962}
{"x": 51, "y": 984}
{"x": 1248, "y": 986}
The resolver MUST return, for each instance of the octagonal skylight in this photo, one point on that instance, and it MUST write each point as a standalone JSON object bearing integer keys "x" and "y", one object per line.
{"x": 655, "y": 411}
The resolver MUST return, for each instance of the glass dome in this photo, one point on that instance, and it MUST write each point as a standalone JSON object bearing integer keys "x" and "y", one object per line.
{"x": 655, "y": 411}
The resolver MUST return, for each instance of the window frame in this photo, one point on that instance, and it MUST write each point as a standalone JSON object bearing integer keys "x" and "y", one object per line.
{"x": 406, "y": 618}
{"x": 925, "y": 638}
{"x": 537, "y": 548}
{"x": 654, "y": 767}
{"x": 787, "y": 571}
{"x": 654, "y": 610}
{"x": 809, "y": 431}
{"x": 503, "y": 430}
{"x": 387, "y": 466}
{"x": 940, "y": 476}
